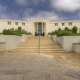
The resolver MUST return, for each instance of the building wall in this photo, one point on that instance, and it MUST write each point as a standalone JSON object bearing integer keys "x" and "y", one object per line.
{"x": 29, "y": 25}
{"x": 66, "y": 24}
{"x": 4, "y": 24}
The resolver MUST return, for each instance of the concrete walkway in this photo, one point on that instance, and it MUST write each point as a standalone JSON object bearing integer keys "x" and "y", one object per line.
{"x": 22, "y": 66}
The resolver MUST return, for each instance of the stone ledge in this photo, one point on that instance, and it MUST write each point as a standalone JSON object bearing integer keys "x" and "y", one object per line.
{"x": 2, "y": 42}
{"x": 76, "y": 43}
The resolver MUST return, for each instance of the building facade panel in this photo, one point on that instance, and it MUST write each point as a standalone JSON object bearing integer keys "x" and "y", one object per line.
{"x": 38, "y": 25}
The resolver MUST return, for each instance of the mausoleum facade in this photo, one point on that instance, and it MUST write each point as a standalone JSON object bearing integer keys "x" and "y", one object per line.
{"x": 38, "y": 25}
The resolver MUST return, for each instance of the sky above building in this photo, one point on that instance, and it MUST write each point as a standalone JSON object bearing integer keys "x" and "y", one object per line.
{"x": 47, "y": 9}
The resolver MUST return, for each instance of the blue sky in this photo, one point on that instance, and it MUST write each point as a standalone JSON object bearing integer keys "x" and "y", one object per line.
{"x": 49, "y": 9}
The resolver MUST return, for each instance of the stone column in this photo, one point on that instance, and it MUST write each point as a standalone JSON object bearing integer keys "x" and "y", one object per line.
{"x": 42, "y": 27}
{"x": 37, "y": 27}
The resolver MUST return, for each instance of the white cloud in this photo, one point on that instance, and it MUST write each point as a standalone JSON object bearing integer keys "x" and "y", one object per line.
{"x": 41, "y": 14}
{"x": 28, "y": 14}
{"x": 66, "y": 5}
{"x": 21, "y": 2}
{"x": 29, "y": 2}
{"x": 47, "y": 15}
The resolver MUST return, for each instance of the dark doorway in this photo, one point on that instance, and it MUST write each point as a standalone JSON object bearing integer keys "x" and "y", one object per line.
{"x": 39, "y": 28}
{"x": 39, "y": 32}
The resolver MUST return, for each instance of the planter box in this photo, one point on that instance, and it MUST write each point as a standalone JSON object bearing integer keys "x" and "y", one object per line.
{"x": 66, "y": 42}
{"x": 24, "y": 37}
{"x": 54, "y": 37}
{"x": 11, "y": 41}
{"x": 49, "y": 35}
{"x": 2, "y": 46}
{"x": 76, "y": 47}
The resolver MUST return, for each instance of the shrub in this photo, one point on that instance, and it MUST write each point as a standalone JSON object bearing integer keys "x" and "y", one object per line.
{"x": 18, "y": 32}
{"x": 43, "y": 34}
{"x": 74, "y": 29}
{"x": 49, "y": 33}
{"x": 52, "y": 33}
{"x": 78, "y": 33}
{"x": 19, "y": 28}
{"x": 35, "y": 33}
{"x": 65, "y": 32}
{"x": 29, "y": 33}
{"x": 67, "y": 29}
{"x": 59, "y": 29}
{"x": 60, "y": 33}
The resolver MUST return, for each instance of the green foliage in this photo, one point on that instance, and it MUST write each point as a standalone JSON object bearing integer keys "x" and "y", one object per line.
{"x": 68, "y": 33}
{"x": 65, "y": 32}
{"x": 19, "y": 28}
{"x": 12, "y": 29}
{"x": 59, "y": 33}
{"x": 59, "y": 29}
{"x": 0, "y": 33}
{"x": 74, "y": 29}
{"x": 78, "y": 34}
{"x": 52, "y": 33}
{"x": 29, "y": 33}
{"x": 67, "y": 29}
{"x": 18, "y": 32}
{"x": 49, "y": 33}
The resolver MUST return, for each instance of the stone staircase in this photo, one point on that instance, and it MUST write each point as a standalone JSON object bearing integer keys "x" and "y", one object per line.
{"x": 47, "y": 45}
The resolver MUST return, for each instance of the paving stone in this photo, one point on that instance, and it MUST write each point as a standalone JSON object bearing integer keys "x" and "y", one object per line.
{"x": 5, "y": 77}
{"x": 36, "y": 76}
{"x": 34, "y": 67}
{"x": 67, "y": 78}
{"x": 18, "y": 77}
{"x": 73, "y": 73}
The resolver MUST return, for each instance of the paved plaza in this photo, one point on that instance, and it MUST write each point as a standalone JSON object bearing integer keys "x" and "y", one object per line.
{"x": 22, "y": 66}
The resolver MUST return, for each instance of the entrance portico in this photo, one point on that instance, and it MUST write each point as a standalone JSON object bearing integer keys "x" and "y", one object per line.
{"x": 40, "y": 27}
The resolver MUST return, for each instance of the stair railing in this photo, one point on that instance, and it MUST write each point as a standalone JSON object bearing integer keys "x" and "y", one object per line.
{"x": 39, "y": 44}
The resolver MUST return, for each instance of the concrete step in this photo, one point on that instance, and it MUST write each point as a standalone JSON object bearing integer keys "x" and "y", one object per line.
{"x": 46, "y": 52}
{"x": 47, "y": 46}
{"x": 40, "y": 49}
{"x": 37, "y": 45}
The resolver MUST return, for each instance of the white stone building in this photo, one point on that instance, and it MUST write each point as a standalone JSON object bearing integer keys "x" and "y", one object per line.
{"x": 38, "y": 25}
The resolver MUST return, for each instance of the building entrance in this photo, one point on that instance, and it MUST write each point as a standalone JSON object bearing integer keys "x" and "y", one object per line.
{"x": 40, "y": 28}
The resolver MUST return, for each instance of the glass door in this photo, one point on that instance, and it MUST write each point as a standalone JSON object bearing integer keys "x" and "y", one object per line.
{"x": 39, "y": 28}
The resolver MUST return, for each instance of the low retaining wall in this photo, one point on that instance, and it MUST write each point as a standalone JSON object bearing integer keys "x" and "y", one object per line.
{"x": 76, "y": 47}
{"x": 24, "y": 37}
{"x": 12, "y": 41}
{"x": 54, "y": 37}
{"x": 67, "y": 41}
{"x": 2, "y": 46}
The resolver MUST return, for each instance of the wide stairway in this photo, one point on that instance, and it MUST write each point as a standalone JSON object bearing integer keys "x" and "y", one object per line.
{"x": 39, "y": 45}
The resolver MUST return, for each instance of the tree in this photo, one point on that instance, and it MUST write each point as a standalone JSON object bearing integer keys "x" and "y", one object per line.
{"x": 74, "y": 29}
{"x": 67, "y": 29}
{"x": 12, "y": 29}
{"x": 59, "y": 29}
{"x": 19, "y": 28}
